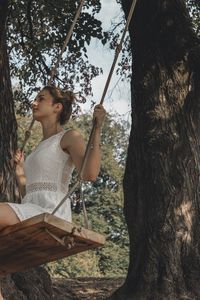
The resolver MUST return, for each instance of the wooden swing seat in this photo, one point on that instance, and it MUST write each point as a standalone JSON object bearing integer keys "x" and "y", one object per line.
{"x": 42, "y": 239}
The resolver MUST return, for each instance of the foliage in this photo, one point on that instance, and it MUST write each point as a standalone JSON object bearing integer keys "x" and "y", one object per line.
{"x": 104, "y": 202}
{"x": 194, "y": 8}
{"x": 36, "y": 33}
{"x": 124, "y": 69}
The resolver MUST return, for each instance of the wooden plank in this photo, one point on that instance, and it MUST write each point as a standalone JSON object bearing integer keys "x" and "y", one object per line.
{"x": 58, "y": 223}
{"x": 77, "y": 231}
{"x": 27, "y": 223}
{"x": 28, "y": 244}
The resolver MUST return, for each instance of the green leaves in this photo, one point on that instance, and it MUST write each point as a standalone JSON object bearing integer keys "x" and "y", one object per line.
{"x": 194, "y": 7}
{"x": 104, "y": 198}
{"x": 36, "y": 33}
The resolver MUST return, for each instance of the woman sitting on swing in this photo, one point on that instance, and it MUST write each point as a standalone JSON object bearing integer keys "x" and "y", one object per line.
{"x": 44, "y": 177}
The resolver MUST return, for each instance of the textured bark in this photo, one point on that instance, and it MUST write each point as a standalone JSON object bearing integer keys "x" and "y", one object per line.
{"x": 34, "y": 284}
{"x": 161, "y": 182}
{"x": 30, "y": 285}
{"x": 8, "y": 124}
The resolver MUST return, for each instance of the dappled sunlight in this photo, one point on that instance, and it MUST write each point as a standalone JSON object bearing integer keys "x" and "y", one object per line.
{"x": 184, "y": 215}
{"x": 171, "y": 99}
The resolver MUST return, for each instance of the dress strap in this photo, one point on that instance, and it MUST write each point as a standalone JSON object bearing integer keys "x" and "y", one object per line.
{"x": 59, "y": 138}
{"x": 60, "y": 135}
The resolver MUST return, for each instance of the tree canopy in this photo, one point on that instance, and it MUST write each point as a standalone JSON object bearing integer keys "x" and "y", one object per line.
{"x": 36, "y": 33}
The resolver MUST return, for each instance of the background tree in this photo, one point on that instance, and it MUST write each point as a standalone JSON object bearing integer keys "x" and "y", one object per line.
{"x": 104, "y": 198}
{"x": 194, "y": 9}
{"x": 161, "y": 182}
{"x": 36, "y": 33}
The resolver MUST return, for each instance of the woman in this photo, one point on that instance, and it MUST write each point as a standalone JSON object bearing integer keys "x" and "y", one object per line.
{"x": 44, "y": 177}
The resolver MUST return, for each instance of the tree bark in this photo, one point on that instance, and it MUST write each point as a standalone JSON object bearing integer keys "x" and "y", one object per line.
{"x": 161, "y": 183}
{"x": 8, "y": 125}
{"x": 36, "y": 283}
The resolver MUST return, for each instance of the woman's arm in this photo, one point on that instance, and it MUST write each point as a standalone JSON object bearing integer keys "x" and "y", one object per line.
{"x": 74, "y": 144}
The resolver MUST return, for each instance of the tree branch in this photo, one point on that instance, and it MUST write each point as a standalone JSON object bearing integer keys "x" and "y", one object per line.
{"x": 29, "y": 6}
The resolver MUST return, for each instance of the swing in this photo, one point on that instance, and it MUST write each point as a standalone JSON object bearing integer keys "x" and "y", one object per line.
{"x": 45, "y": 237}
{"x": 41, "y": 239}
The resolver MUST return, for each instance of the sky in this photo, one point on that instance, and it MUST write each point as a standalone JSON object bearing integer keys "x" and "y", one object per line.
{"x": 118, "y": 96}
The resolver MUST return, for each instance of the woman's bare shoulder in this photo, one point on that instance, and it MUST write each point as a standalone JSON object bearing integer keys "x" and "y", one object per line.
{"x": 70, "y": 137}
{"x": 71, "y": 133}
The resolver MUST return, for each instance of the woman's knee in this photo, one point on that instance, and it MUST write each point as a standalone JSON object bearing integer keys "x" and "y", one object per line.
{"x": 7, "y": 215}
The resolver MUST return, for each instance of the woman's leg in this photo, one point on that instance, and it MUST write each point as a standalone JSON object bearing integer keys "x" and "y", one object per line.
{"x": 7, "y": 216}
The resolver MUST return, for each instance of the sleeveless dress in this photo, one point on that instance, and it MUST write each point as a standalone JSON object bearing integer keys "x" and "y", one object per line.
{"x": 48, "y": 172}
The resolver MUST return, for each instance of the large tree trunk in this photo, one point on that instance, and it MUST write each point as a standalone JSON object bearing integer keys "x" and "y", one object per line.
{"x": 161, "y": 184}
{"x": 34, "y": 284}
{"x": 8, "y": 125}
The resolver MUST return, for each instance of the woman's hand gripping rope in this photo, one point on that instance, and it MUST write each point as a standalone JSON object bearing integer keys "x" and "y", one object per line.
{"x": 99, "y": 115}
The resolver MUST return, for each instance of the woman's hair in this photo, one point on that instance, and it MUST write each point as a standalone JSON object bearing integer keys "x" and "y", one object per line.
{"x": 66, "y": 98}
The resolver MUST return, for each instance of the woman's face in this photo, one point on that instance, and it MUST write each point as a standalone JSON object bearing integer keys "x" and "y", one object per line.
{"x": 43, "y": 106}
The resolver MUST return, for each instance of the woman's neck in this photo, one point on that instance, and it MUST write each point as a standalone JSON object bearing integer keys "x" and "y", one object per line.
{"x": 50, "y": 129}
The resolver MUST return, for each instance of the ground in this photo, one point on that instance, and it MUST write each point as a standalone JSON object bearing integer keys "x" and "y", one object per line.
{"x": 36, "y": 284}
{"x": 85, "y": 288}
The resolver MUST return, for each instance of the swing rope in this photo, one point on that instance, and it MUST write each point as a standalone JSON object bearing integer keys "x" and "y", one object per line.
{"x": 89, "y": 144}
{"x": 54, "y": 69}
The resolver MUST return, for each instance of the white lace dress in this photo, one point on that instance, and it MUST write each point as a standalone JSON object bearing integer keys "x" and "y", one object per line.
{"x": 48, "y": 171}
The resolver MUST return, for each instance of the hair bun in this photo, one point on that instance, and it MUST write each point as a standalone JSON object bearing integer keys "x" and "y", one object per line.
{"x": 69, "y": 96}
